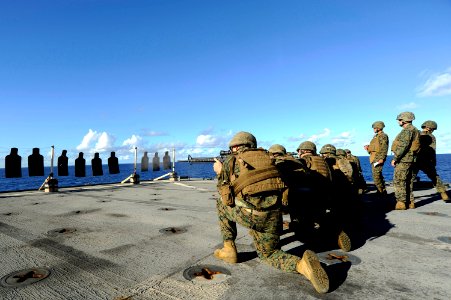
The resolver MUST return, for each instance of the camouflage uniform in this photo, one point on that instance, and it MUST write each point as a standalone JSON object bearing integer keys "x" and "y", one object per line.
{"x": 426, "y": 160}
{"x": 316, "y": 198}
{"x": 404, "y": 158}
{"x": 378, "y": 149}
{"x": 344, "y": 209}
{"x": 264, "y": 226}
{"x": 357, "y": 171}
{"x": 354, "y": 180}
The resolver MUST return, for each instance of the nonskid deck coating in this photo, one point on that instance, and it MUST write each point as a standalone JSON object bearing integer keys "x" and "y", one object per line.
{"x": 113, "y": 242}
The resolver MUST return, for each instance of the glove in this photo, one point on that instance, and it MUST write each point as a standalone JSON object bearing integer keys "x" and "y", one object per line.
{"x": 217, "y": 166}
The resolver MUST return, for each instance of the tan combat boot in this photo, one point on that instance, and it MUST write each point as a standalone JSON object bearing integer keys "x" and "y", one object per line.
{"x": 311, "y": 268}
{"x": 444, "y": 196}
{"x": 344, "y": 242}
{"x": 400, "y": 205}
{"x": 412, "y": 205}
{"x": 228, "y": 253}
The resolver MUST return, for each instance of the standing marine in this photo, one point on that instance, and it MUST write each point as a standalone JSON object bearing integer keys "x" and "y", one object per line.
{"x": 250, "y": 191}
{"x": 377, "y": 149}
{"x": 405, "y": 148}
{"x": 426, "y": 159}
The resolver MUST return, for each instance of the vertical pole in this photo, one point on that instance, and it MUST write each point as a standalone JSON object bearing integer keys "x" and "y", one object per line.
{"x": 136, "y": 158}
{"x": 51, "y": 160}
{"x": 173, "y": 160}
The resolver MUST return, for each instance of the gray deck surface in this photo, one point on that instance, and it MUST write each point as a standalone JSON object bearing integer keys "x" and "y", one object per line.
{"x": 115, "y": 247}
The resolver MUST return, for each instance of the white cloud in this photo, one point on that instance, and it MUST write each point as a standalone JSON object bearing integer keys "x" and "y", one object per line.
{"x": 212, "y": 141}
{"x": 147, "y": 132}
{"x": 436, "y": 85}
{"x": 88, "y": 140}
{"x": 105, "y": 142}
{"x": 410, "y": 105}
{"x": 96, "y": 142}
{"x": 444, "y": 142}
{"x": 344, "y": 139}
{"x": 125, "y": 157}
{"x": 133, "y": 141}
{"x": 316, "y": 137}
{"x": 206, "y": 140}
{"x": 297, "y": 138}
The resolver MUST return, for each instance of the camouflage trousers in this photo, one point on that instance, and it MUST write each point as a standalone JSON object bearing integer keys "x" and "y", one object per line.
{"x": 403, "y": 182}
{"x": 265, "y": 229}
{"x": 430, "y": 172}
{"x": 378, "y": 179}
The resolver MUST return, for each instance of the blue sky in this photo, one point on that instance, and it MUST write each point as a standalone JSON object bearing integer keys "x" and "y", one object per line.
{"x": 102, "y": 76}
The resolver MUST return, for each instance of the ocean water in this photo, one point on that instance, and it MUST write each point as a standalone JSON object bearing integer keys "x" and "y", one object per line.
{"x": 195, "y": 170}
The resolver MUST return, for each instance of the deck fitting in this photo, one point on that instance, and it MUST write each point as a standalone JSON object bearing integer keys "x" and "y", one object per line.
{"x": 206, "y": 274}
{"x": 172, "y": 230}
{"x": 334, "y": 257}
{"x": 61, "y": 231}
{"x": 25, "y": 277}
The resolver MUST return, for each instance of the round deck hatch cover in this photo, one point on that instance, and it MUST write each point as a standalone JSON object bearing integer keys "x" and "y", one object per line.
{"x": 206, "y": 274}
{"x": 25, "y": 277}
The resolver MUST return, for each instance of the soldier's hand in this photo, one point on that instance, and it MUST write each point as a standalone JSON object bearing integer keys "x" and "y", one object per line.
{"x": 393, "y": 163}
{"x": 380, "y": 161}
{"x": 217, "y": 166}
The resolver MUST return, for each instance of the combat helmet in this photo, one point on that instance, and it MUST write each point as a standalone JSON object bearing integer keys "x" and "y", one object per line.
{"x": 243, "y": 138}
{"x": 307, "y": 145}
{"x": 429, "y": 124}
{"x": 406, "y": 116}
{"x": 277, "y": 149}
{"x": 340, "y": 152}
{"x": 378, "y": 125}
{"x": 328, "y": 148}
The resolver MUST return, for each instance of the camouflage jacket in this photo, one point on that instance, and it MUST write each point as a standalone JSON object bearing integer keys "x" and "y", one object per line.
{"x": 356, "y": 160}
{"x": 378, "y": 147}
{"x": 340, "y": 167}
{"x": 427, "y": 150}
{"x": 432, "y": 139}
{"x": 402, "y": 145}
{"x": 293, "y": 171}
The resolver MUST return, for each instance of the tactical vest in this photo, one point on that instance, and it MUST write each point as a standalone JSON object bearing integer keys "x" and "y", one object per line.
{"x": 374, "y": 147}
{"x": 318, "y": 164}
{"x": 344, "y": 166}
{"x": 257, "y": 174}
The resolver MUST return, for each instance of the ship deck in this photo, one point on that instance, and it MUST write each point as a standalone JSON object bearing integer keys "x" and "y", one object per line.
{"x": 152, "y": 240}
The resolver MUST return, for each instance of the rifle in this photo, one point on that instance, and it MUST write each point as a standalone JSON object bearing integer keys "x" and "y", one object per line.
{"x": 222, "y": 155}
{"x": 294, "y": 154}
